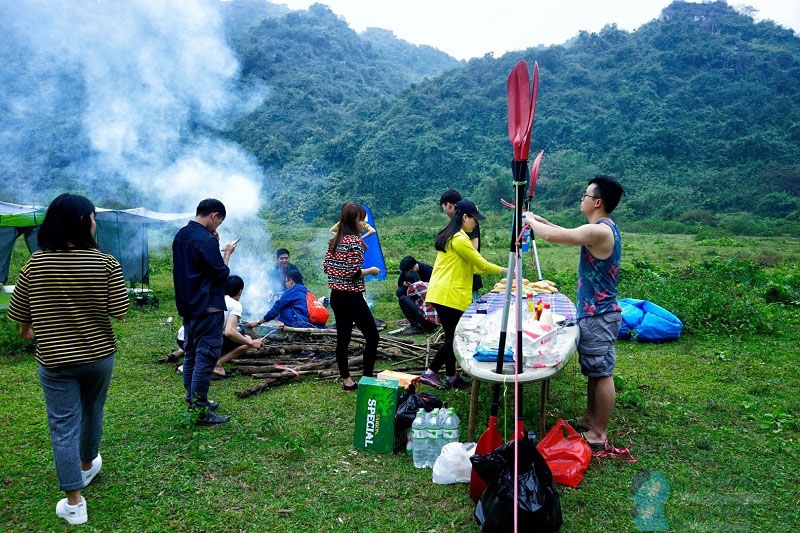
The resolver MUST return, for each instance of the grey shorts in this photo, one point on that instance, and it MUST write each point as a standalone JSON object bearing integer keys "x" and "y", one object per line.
{"x": 596, "y": 347}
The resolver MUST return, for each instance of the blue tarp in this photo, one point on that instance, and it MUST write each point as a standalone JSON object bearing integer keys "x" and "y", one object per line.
{"x": 645, "y": 321}
{"x": 373, "y": 256}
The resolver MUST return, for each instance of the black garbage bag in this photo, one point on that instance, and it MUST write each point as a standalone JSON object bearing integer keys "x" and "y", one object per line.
{"x": 539, "y": 503}
{"x": 407, "y": 408}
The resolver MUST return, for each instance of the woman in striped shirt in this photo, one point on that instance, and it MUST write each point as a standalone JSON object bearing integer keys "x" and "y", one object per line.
{"x": 344, "y": 261}
{"x": 63, "y": 298}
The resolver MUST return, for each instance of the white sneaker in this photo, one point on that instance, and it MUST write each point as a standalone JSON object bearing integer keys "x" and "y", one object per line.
{"x": 88, "y": 475}
{"x": 73, "y": 514}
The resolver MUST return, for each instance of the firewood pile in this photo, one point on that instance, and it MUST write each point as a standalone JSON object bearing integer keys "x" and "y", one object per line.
{"x": 291, "y": 354}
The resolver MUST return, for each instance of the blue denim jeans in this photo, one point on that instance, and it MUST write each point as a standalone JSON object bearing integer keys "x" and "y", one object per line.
{"x": 75, "y": 396}
{"x": 202, "y": 349}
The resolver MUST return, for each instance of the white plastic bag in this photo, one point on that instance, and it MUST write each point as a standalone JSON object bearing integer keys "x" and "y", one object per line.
{"x": 453, "y": 464}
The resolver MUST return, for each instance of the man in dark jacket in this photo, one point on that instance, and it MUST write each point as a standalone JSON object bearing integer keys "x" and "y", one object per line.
{"x": 291, "y": 308}
{"x": 409, "y": 264}
{"x": 199, "y": 273}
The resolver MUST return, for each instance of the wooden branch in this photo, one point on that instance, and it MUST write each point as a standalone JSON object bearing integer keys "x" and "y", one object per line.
{"x": 285, "y": 348}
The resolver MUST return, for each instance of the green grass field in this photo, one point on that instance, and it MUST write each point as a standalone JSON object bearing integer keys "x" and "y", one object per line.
{"x": 715, "y": 412}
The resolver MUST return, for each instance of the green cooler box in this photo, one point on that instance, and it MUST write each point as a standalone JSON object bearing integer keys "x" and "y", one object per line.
{"x": 376, "y": 407}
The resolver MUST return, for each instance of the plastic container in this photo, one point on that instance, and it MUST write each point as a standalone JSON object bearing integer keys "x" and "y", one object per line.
{"x": 442, "y": 416}
{"x": 434, "y": 445}
{"x": 531, "y": 303}
{"x": 525, "y": 244}
{"x": 547, "y": 316}
{"x": 450, "y": 431}
{"x": 481, "y": 306}
{"x": 419, "y": 435}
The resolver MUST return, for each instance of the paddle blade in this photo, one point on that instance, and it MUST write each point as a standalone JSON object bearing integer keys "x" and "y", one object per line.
{"x": 519, "y": 103}
{"x": 489, "y": 442}
{"x": 534, "y": 175}
{"x": 526, "y": 144}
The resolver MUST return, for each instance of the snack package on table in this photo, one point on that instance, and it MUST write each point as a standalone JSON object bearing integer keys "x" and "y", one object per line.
{"x": 538, "y": 340}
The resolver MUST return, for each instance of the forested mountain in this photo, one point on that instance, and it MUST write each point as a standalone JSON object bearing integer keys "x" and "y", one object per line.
{"x": 696, "y": 112}
{"x": 318, "y": 70}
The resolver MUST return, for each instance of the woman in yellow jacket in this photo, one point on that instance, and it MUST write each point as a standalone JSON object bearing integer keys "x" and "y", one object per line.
{"x": 450, "y": 288}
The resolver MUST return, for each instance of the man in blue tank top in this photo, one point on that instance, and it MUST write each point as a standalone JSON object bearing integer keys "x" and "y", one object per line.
{"x": 599, "y": 314}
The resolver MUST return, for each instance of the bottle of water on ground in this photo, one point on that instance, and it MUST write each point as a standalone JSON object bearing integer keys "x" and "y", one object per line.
{"x": 450, "y": 427}
{"x": 434, "y": 437}
{"x": 443, "y": 413}
{"x": 419, "y": 435}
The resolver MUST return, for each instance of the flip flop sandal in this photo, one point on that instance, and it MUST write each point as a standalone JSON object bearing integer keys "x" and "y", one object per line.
{"x": 595, "y": 446}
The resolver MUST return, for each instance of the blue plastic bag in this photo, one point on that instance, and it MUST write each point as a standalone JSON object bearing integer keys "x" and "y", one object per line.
{"x": 645, "y": 321}
{"x": 489, "y": 355}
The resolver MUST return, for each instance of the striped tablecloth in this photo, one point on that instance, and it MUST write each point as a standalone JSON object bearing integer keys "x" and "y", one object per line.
{"x": 559, "y": 304}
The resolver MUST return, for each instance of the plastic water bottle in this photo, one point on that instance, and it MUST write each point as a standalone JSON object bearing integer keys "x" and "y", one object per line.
{"x": 450, "y": 428}
{"x": 434, "y": 437}
{"x": 420, "y": 440}
{"x": 409, "y": 444}
{"x": 525, "y": 243}
{"x": 546, "y": 317}
{"x": 441, "y": 416}
{"x": 443, "y": 412}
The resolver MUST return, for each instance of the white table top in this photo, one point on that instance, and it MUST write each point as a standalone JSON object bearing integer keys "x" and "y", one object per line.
{"x": 474, "y": 328}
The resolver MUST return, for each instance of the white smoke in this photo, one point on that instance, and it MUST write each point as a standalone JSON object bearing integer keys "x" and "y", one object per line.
{"x": 155, "y": 86}
{"x": 159, "y": 85}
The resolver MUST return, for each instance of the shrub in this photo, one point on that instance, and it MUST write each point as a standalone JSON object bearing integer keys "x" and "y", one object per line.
{"x": 711, "y": 296}
{"x": 781, "y": 294}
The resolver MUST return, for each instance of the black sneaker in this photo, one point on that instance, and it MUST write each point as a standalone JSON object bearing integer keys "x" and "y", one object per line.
{"x": 412, "y": 330}
{"x": 459, "y": 383}
{"x": 430, "y": 328}
{"x": 212, "y": 406}
{"x": 211, "y": 419}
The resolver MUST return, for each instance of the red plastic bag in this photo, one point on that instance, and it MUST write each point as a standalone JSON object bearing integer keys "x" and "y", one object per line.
{"x": 316, "y": 311}
{"x": 567, "y": 453}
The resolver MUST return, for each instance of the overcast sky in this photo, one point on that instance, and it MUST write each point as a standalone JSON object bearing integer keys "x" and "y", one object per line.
{"x": 472, "y": 28}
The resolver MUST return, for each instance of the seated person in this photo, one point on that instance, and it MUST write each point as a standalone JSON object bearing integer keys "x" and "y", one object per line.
{"x": 291, "y": 308}
{"x": 421, "y": 316}
{"x": 234, "y": 343}
{"x": 277, "y": 276}
{"x": 409, "y": 264}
